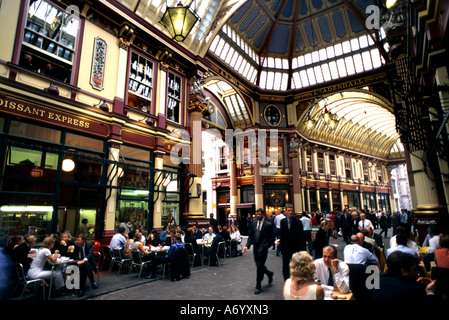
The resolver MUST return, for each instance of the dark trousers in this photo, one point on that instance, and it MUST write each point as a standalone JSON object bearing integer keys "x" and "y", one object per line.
{"x": 86, "y": 272}
{"x": 286, "y": 264}
{"x": 260, "y": 258}
{"x": 308, "y": 239}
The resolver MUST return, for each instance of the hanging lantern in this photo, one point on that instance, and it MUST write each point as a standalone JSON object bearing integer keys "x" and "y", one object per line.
{"x": 179, "y": 21}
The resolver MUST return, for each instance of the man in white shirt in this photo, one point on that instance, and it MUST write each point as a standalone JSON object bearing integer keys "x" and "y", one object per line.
{"x": 355, "y": 253}
{"x": 331, "y": 271}
{"x": 119, "y": 239}
{"x": 307, "y": 229}
{"x": 433, "y": 245}
{"x": 401, "y": 240}
{"x": 364, "y": 222}
{"x": 277, "y": 223}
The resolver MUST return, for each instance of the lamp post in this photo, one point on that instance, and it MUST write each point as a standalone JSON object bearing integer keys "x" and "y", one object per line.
{"x": 179, "y": 21}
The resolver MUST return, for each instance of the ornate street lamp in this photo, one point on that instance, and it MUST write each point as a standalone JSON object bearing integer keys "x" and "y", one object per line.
{"x": 179, "y": 21}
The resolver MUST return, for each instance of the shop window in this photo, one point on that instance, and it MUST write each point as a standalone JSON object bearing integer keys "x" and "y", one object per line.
{"x": 365, "y": 171}
{"x": 332, "y": 165}
{"x": 223, "y": 164}
{"x": 28, "y": 130}
{"x": 140, "y": 83}
{"x": 49, "y": 40}
{"x": 309, "y": 165}
{"x": 348, "y": 168}
{"x": 320, "y": 156}
{"x": 174, "y": 98}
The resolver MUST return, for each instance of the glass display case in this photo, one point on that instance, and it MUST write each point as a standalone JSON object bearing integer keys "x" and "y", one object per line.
{"x": 140, "y": 83}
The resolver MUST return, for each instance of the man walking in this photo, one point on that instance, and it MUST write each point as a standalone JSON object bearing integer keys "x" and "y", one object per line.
{"x": 261, "y": 236}
{"x": 291, "y": 238}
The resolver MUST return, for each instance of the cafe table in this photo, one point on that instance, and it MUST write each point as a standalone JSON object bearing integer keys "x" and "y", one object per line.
{"x": 60, "y": 262}
{"x": 331, "y": 294}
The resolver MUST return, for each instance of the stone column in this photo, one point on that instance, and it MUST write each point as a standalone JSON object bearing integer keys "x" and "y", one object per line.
{"x": 294, "y": 156}
{"x": 196, "y": 107}
{"x": 111, "y": 205}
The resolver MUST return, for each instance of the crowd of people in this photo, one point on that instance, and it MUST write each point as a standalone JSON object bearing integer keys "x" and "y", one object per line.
{"x": 311, "y": 266}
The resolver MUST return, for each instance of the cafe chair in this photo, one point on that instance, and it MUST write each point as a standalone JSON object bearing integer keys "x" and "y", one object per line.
{"x": 442, "y": 285}
{"x": 179, "y": 265}
{"x": 137, "y": 262}
{"x": 190, "y": 253}
{"x": 221, "y": 250}
{"x": 357, "y": 282}
{"x": 25, "y": 281}
{"x": 119, "y": 259}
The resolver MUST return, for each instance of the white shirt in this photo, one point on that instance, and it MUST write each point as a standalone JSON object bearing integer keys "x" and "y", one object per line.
{"x": 410, "y": 244}
{"x": 341, "y": 277}
{"x": 277, "y": 220}
{"x": 433, "y": 244}
{"x": 208, "y": 238}
{"x": 236, "y": 236}
{"x": 118, "y": 241}
{"x": 365, "y": 224}
{"x": 306, "y": 223}
{"x": 402, "y": 248}
{"x": 354, "y": 253}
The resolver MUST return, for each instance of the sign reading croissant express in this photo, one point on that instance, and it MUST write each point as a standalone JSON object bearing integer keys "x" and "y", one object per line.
{"x": 28, "y": 110}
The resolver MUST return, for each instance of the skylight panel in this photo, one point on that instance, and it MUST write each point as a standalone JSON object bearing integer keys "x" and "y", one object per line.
{"x": 341, "y": 68}
{"x": 355, "y": 44}
{"x": 358, "y": 62}
{"x": 304, "y": 79}
{"x": 366, "y": 57}
{"x": 346, "y": 47}
{"x": 326, "y": 72}
{"x": 263, "y": 80}
{"x": 311, "y": 76}
{"x": 330, "y": 52}
{"x": 376, "y": 58}
{"x": 363, "y": 41}
{"x": 284, "y": 85}
{"x": 338, "y": 49}
{"x": 225, "y": 51}
{"x": 334, "y": 70}
{"x": 285, "y": 64}
{"x": 301, "y": 61}
{"x": 296, "y": 81}
{"x": 270, "y": 80}
{"x": 323, "y": 55}
{"x": 213, "y": 45}
{"x": 294, "y": 63}
{"x": 229, "y": 55}
{"x": 308, "y": 59}
{"x": 318, "y": 74}
{"x": 315, "y": 57}
{"x": 350, "y": 65}
{"x": 277, "y": 81}
{"x": 270, "y": 61}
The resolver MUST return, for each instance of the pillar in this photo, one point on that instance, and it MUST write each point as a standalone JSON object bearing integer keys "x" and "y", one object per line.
{"x": 258, "y": 188}
{"x": 294, "y": 156}
{"x": 233, "y": 187}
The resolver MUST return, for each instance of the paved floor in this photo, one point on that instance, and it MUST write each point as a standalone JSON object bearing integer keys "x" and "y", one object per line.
{"x": 233, "y": 280}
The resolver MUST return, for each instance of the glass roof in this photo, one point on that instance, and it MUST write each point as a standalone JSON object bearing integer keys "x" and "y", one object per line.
{"x": 364, "y": 123}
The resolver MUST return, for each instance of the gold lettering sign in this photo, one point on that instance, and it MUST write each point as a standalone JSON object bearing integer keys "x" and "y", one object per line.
{"x": 27, "y": 110}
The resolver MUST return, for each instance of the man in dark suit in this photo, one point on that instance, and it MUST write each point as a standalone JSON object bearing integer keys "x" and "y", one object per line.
{"x": 261, "y": 236}
{"x": 83, "y": 253}
{"x": 291, "y": 238}
{"x": 346, "y": 222}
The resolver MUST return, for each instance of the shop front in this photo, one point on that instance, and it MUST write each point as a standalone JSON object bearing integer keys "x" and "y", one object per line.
{"x": 53, "y": 170}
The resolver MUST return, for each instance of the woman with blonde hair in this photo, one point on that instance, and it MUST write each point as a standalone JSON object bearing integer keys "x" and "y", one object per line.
{"x": 322, "y": 237}
{"x": 37, "y": 271}
{"x": 301, "y": 284}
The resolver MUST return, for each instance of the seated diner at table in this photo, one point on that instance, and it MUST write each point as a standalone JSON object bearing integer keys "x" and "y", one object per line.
{"x": 331, "y": 271}
{"x": 83, "y": 254}
{"x": 37, "y": 269}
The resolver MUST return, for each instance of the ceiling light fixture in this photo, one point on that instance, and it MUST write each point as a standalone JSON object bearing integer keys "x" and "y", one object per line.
{"x": 179, "y": 20}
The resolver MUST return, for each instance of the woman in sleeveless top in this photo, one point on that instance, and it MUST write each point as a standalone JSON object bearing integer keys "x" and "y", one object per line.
{"x": 301, "y": 284}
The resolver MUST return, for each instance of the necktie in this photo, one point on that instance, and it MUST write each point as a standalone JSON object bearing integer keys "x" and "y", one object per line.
{"x": 259, "y": 225}
{"x": 82, "y": 252}
{"x": 330, "y": 282}
{"x": 289, "y": 223}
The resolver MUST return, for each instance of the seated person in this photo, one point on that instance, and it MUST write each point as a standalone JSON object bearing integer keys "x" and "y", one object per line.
{"x": 209, "y": 237}
{"x": 401, "y": 240}
{"x": 170, "y": 257}
{"x": 212, "y": 251}
{"x": 356, "y": 254}
{"x": 190, "y": 238}
{"x": 139, "y": 247}
{"x": 442, "y": 254}
{"x": 83, "y": 253}
{"x": 119, "y": 239}
{"x": 410, "y": 243}
{"x": 401, "y": 282}
{"x": 153, "y": 239}
{"x": 236, "y": 239}
{"x": 331, "y": 271}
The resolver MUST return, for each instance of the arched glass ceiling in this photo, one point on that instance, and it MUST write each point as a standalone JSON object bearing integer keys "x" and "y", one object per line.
{"x": 232, "y": 100}
{"x": 365, "y": 123}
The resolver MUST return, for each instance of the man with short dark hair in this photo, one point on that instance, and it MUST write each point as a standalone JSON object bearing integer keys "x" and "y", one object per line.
{"x": 331, "y": 271}
{"x": 401, "y": 281}
{"x": 83, "y": 253}
{"x": 261, "y": 236}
